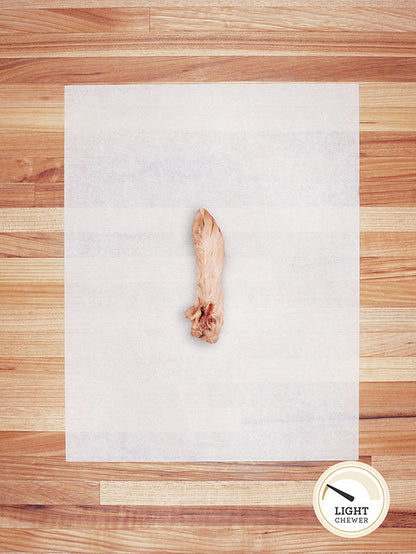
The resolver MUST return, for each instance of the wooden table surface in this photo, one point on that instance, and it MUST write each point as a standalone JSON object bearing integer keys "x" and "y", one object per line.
{"x": 49, "y": 505}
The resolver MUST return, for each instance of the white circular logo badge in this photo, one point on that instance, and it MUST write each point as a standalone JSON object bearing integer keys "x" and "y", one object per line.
{"x": 351, "y": 499}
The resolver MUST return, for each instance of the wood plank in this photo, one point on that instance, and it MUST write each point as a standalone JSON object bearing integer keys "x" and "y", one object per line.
{"x": 22, "y": 4}
{"x": 229, "y": 493}
{"x": 32, "y": 392}
{"x": 203, "y": 540}
{"x": 19, "y": 371}
{"x": 318, "y": 16}
{"x": 25, "y": 467}
{"x": 380, "y": 144}
{"x": 123, "y": 70}
{"x": 49, "y": 492}
{"x": 388, "y": 436}
{"x": 397, "y": 120}
{"x": 388, "y": 344}
{"x": 394, "y": 467}
{"x": 36, "y": 367}
{"x": 27, "y": 220}
{"x": 388, "y": 107}
{"x": 33, "y": 119}
{"x": 387, "y": 369}
{"x": 387, "y": 320}
{"x": 31, "y": 170}
{"x": 31, "y": 245}
{"x": 376, "y": 194}
{"x": 32, "y": 418}
{"x": 31, "y": 122}
{"x": 17, "y": 195}
{"x": 213, "y": 493}
{"x": 79, "y": 20}
{"x": 386, "y": 269}
{"x": 32, "y": 443}
{"x": 45, "y": 97}
{"x": 222, "y": 43}
{"x": 44, "y": 329}
{"x": 388, "y": 400}
{"x": 400, "y": 245}
{"x": 130, "y": 517}
{"x": 387, "y": 95}
{"x": 48, "y": 272}
{"x": 402, "y": 494}
{"x": 24, "y": 319}
{"x": 25, "y": 371}
{"x": 30, "y": 285}
{"x": 49, "y": 195}
{"x": 395, "y": 292}
{"x": 27, "y": 143}
{"x": 385, "y": 173}
{"x": 388, "y": 219}
{"x": 34, "y": 296}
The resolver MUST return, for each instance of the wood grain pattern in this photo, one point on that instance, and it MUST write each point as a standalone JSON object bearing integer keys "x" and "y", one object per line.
{"x": 317, "y": 16}
{"x": 95, "y": 20}
{"x": 403, "y": 468}
{"x": 49, "y": 195}
{"x": 162, "y": 69}
{"x": 203, "y": 540}
{"x": 27, "y": 220}
{"x": 29, "y": 272}
{"x": 387, "y": 320}
{"x": 229, "y": 493}
{"x": 32, "y": 443}
{"x": 385, "y": 268}
{"x": 26, "y": 516}
{"x": 131, "y": 517}
{"x": 33, "y": 245}
{"x": 387, "y": 219}
{"x": 207, "y": 43}
{"x": 387, "y": 436}
{"x": 17, "y": 195}
{"x": 387, "y": 400}
{"x": 213, "y": 493}
{"x": 387, "y": 344}
{"x": 400, "y": 245}
{"x": 32, "y": 418}
{"x": 49, "y": 492}
{"x": 50, "y": 505}
{"x": 387, "y": 368}
{"x": 29, "y": 170}
{"x": 23, "y": 4}
{"x": 51, "y": 468}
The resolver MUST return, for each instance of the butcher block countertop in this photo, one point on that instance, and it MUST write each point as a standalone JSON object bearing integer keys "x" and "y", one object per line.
{"x": 48, "y": 505}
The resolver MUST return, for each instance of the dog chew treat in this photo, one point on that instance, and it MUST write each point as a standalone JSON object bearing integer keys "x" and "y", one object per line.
{"x": 207, "y": 313}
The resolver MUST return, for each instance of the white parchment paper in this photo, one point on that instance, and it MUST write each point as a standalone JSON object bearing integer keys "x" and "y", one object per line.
{"x": 277, "y": 165}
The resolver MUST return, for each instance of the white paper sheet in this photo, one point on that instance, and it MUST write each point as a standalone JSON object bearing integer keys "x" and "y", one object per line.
{"x": 277, "y": 165}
